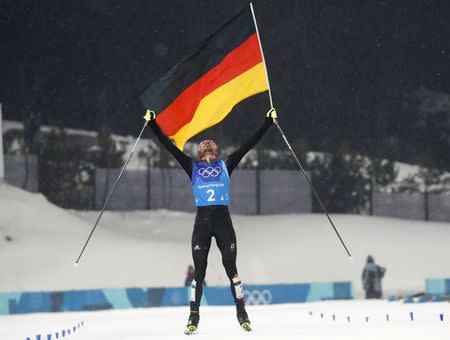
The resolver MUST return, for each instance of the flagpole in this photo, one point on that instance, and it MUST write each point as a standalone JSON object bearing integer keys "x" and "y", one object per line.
{"x": 262, "y": 54}
{"x": 289, "y": 145}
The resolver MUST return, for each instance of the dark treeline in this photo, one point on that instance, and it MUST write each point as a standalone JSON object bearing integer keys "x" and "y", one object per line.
{"x": 344, "y": 75}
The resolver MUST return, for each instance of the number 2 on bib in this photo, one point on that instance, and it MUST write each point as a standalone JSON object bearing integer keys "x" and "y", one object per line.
{"x": 211, "y": 197}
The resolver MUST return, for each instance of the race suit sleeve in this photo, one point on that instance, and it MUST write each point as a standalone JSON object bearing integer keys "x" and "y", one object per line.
{"x": 185, "y": 161}
{"x": 233, "y": 159}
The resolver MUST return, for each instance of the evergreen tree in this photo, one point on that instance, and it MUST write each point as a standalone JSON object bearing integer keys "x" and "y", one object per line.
{"x": 67, "y": 169}
{"x": 344, "y": 181}
{"x": 60, "y": 166}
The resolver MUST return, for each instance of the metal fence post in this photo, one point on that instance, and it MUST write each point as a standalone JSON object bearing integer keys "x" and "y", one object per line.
{"x": 371, "y": 196}
{"x": 258, "y": 189}
{"x": 2, "y": 162}
{"x": 149, "y": 204}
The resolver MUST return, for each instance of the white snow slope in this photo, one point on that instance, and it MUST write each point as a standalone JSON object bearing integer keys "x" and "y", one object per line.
{"x": 152, "y": 248}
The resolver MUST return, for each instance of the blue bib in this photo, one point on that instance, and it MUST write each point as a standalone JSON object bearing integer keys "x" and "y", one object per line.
{"x": 211, "y": 183}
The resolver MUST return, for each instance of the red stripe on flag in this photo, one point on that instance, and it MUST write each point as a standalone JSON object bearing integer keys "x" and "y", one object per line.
{"x": 182, "y": 109}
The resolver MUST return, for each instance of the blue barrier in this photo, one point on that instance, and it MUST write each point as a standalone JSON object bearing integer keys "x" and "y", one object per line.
{"x": 437, "y": 286}
{"x": 101, "y": 299}
{"x": 436, "y": 290}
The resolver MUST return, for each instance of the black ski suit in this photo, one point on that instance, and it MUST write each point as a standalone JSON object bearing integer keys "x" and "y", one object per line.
{"x": 213, "y": 220}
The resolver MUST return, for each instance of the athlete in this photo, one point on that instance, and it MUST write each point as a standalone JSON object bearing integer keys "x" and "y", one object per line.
{"x": 210, "y": 178}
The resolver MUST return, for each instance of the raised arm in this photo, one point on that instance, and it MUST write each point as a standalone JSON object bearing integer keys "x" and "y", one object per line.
{"x": 233, "y": 159}
{"x": 184, "y": 160}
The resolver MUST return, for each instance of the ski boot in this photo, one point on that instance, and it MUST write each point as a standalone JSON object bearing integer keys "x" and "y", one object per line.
{"x": 242, "y": 316}
{"x": 194, "y": 318}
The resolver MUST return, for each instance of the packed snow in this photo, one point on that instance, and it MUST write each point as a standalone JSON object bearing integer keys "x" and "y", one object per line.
{"x": 347, "y": 320}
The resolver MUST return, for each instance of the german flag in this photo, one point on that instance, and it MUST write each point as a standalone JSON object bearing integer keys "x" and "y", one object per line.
{"x": 202, "y": 89}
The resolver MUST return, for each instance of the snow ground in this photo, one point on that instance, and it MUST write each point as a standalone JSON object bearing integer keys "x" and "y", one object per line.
{"x": 152, "y": 248}
{"x": 290, "y": 321}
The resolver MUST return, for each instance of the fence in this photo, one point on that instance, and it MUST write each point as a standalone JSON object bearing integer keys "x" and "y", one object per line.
{"x": 22, "y": 171}
{"x": 418, "y": 206}
{"x": 437, "y": 286}
{"x": 253, "y": 191}
{"x": 439, "y": 207}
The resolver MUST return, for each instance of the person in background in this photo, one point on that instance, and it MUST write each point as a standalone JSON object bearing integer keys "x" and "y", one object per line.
{"x": 189, "y": 275}
{"x": 371, "y": 279}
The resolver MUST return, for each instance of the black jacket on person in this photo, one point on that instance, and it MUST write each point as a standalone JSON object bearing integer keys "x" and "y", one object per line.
{"x": 371, "y": 279}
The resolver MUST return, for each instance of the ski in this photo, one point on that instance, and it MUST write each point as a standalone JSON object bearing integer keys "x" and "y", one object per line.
{"x": 246, "y": 326}
{"x": 190, "y": 330}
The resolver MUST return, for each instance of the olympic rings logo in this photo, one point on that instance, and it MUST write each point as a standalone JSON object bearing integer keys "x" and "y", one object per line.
{"x": 256, "y": 297}
{"x": 209, "y": 171}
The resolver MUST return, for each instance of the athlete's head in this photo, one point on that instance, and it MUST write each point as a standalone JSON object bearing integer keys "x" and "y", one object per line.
{"x": 207, "y": 151}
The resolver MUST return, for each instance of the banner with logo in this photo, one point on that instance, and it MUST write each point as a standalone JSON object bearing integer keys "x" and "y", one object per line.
{"x": 102, "y": 299}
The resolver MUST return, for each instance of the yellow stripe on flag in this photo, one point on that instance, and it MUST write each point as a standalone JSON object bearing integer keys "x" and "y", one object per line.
{"x": 215, "y": 106}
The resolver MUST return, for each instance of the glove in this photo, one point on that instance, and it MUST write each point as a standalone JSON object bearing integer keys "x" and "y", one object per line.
{"x": 149, "y": 116}
{"x": 272, "y": 115}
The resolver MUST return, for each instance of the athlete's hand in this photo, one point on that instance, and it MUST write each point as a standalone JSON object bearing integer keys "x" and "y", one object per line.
{"x": 149, "y": 116}
{"x": 272, "y": 115}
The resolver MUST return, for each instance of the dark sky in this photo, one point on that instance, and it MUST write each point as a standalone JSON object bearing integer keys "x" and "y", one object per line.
{"x": 339, "y": 70}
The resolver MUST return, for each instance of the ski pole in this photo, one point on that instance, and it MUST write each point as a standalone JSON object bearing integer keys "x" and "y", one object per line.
{"x": 312, "y": 188}
{"x": 110, "y": 194}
